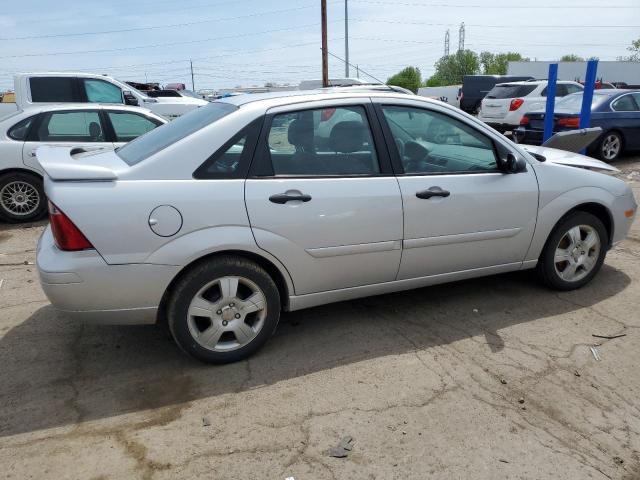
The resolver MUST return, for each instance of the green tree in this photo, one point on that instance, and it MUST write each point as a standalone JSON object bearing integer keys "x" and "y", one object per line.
{"x": 571, "y": 57}
{"x": 635, "y": 51}
{"x": 409, "y": 78}
{"x": 450, "y": 69}
{"x": 497, "y": 63}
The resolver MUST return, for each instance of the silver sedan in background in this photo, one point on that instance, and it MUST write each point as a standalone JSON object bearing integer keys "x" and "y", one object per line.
{"x": 220, "y": 220}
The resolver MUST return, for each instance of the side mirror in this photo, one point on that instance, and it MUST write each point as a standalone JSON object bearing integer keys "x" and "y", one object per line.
{"x": 514, "y": 164}
{"x": 130, "y": 98}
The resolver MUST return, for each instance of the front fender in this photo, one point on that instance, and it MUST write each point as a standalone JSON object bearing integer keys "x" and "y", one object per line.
{"x": 550, "y": 213}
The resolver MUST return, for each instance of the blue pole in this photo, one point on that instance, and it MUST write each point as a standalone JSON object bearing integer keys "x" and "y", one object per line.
{"x": 551, "y": 102}
{"x": 587, "y": 96}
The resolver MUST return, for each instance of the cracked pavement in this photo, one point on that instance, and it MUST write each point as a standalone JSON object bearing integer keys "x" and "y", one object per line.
{"x": 486, "y": 379}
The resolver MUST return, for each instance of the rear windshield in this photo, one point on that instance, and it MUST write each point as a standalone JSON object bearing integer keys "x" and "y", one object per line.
{"x": 160, "y": 138}
{"x": 509, "y": 90}
{"x": 574, "y": 102}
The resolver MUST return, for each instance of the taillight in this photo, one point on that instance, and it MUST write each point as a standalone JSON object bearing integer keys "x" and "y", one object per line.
{"x": 326, "y": 114}
{"x": 516, "y": 103}
{"x": 569, "y": 122}
{"x": 524, "y": 120}
{"x": 65, "y": 233}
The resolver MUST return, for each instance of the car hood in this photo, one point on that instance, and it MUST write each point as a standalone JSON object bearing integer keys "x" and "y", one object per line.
{"x": 562, "y": 157}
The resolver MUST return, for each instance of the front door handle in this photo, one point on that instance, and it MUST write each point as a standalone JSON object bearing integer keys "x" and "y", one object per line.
{"x": 433, "y": 192}
{"x": 283, "y": 198}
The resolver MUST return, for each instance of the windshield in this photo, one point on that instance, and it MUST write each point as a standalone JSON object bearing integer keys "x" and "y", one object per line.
{"x": 573, "y": 102}
{"x": 189, "y": 93}
{"x": 160, "y": 138}
{"x": 133, "y": 89}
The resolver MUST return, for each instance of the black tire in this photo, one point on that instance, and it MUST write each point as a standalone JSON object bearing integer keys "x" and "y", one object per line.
{"x": 9, "y": 210}
{"x": 187, "y": 287}
{"x": 546, "y": 267}
{"x": 604, "y": 151}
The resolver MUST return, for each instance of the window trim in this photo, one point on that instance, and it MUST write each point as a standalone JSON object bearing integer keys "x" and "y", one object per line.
{"x": 32, "y": 135}
{"x": 262, "y": 167}
{"x": 252, "y": 132}
{"x": 396, "y": 161}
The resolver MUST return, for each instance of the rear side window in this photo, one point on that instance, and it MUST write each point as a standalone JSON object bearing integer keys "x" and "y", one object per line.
{"x": 143, "y": 147}
{"x": 76, "y": 126}
{"x": 625, "y": 103}
{"x": 54, "y": 89}
{"x": 509, "y": 90}
{"x": 19, "y": 130}
{"x": 99, "y": 91}
{"x": 128, "y": 126}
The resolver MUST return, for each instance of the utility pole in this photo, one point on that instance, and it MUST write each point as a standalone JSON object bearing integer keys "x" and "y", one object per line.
{"x": 446, "y": 44}
{"x": 325, "y": 56}
{"x": 193, "y": 87}
{"x": 346, "y": 38}
{"x": 461, "y": 37}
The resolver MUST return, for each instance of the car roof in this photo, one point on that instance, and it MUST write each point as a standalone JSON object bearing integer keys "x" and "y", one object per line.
{"x": 534, "y": 82}
{"x": 85, "y": 106}
{"x": 298, "y": 96}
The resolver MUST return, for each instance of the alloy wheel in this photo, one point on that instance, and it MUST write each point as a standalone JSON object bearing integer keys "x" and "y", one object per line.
{"x": 19, "y": 198}
{"x": 611, "y": 146}
{"x": 577, "y": 253}
{"x": 227, "y": 313}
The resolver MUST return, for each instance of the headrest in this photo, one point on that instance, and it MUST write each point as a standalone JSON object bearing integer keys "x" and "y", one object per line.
{"x": 347, "y": 137}
{"x": 300, "y": 134}
{"x": 94, "y": 130}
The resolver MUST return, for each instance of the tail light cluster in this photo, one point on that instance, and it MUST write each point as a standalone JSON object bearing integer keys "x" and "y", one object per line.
{"x": 524, "y": 120}
{"x": 515, "y": 104}
{"x": 569, "y": 122}
{"x": 66, "y": 235}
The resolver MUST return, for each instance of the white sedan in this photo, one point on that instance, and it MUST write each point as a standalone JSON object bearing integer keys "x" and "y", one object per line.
{"x": 86, "y": 126}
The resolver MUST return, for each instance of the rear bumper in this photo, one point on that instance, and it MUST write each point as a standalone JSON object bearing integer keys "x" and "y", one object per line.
{"x": 497, "y": 125}
{"x": 84, "y": 286}
{"x": 528, "y": 137}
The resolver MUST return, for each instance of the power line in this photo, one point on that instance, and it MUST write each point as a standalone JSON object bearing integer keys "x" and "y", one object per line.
{"x": 155, "y": 27}
{"x": 502, "y": 7}
{"x": 367, "y": 74}
{"x": 170, "y": 44}
{"x": 412, "y": 22}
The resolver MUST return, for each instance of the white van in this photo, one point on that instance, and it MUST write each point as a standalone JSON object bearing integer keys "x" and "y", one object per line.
{"x": 38, "y": 89}
{"x": 450, "y": 94}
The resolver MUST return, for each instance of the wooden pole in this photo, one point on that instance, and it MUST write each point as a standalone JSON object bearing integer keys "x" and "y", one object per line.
{"x": 325, "y": 57}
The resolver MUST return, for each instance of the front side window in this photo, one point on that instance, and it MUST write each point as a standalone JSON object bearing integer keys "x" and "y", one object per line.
{"x": 128, "y": 126}
{"x": 20, "y": 130}
{"x": 77, "y": 126}
{"x": 326, "y": 141}
{"x": 625, "y": 103}
{"x": 99, "y": 91}
{"x": 53, "y": 89}
{"x": 433, "y": 143}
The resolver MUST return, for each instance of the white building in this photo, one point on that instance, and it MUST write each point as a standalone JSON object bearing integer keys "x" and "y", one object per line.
{"x": 628, "y": 72}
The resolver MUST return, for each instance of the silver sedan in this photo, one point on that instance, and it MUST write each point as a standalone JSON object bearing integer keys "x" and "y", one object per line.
{"x": 220, "y": 220}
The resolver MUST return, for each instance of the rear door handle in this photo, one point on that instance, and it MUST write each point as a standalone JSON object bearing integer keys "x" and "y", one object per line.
{"x": 283, "y": 198}
{"x": 433, "y": 192}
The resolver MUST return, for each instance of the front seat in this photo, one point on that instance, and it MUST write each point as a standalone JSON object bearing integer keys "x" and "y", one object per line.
{"x": 95, "y": 132}
{"x": 300, "y": 135}
{"x": 347, "y": 138}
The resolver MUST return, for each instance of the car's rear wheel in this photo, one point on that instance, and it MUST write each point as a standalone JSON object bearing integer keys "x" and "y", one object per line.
{"x": 574, "y": 253}
{"x": 610, "y": 147}
{"x": 22, "y": 197}
{"x": 223, "y": 310}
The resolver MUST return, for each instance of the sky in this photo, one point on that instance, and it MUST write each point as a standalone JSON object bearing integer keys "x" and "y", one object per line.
{"x": 250, "y": 42}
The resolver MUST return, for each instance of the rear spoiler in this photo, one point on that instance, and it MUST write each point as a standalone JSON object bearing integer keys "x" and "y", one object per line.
{"x": 60, "y": 164}
{"x": 573, "y": 140}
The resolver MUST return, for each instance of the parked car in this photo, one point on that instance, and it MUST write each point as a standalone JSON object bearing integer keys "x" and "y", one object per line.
{"x": 450, "y": 94}
{"x": 475, "y": 87}
{"x": 38, "y": 89}
{"x": 616, "y": 111}
{"x": 80, "y": 127}
{"x": 505, "y": 104}
{"x": 220, "y": 220}
{"x": 173, "y": 94}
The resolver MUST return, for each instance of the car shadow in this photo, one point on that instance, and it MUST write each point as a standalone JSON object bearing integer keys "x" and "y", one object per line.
{"x": 57, "y": 372}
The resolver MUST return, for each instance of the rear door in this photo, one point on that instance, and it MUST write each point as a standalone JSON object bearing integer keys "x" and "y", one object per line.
{"x": 68, "y": 128}
{"x": 326, "y": 203}
{"x": 460, "y": 211}
{"x": 625, "y": 118}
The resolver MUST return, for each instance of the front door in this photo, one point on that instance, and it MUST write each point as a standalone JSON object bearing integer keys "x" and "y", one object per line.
{"x": 321, "y": 198}
{"x": 461, "y": 212}
{"x": 69, "y": 128}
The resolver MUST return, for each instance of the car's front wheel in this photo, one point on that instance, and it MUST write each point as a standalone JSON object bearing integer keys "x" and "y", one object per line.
{"x": 610, "y": 147}
{"x": 223, "y": 310}
{"x": 22, "y": 197}
{"x": 574, "y": 252}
